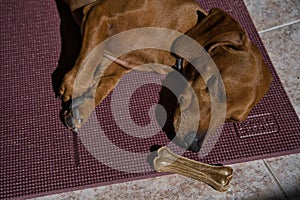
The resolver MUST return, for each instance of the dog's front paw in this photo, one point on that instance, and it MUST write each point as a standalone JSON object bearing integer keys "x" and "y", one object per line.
{"x": 78, "y": 111}
{"x": 66, "y": 88}
{"x": 77, "y": 83}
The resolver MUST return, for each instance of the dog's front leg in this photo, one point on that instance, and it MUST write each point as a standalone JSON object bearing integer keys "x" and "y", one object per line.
{"x": 81, "y": 108}
{"x": 79, "y": 86}
{"x": 95, "y": 27}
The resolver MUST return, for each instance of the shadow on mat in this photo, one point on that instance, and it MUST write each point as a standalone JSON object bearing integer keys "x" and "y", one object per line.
{"x": 70, "y": 48}
{"x": 70, "y": 45}
{"x": 173, "y": 85}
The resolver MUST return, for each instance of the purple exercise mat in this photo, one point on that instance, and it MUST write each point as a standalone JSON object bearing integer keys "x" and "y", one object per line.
{"x": 39, "y": 156}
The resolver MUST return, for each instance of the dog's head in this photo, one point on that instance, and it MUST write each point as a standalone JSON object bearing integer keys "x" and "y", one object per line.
{"x": 245, "y": 78}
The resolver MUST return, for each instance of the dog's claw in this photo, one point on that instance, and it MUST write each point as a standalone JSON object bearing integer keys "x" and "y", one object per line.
{"x": 75, "y": 113}
{"x": 64, "y": 112}
{"x": 80, "y": 121}
{"x": 70, "y": 122}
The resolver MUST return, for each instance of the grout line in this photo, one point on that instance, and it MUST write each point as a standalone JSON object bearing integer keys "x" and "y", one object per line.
{"x": 280, "y": 26}
{"x": 276, "y": 179}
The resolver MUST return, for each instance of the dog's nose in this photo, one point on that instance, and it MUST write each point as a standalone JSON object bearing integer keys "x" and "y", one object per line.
{"x": 193, "y": 142}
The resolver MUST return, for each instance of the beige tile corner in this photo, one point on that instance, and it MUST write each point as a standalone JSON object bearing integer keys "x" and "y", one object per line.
{"x": 270, "y": 13}
{"x": 286, "y": 169}
{"x": 283, "y": 46}
{"x": 251, "y": 180}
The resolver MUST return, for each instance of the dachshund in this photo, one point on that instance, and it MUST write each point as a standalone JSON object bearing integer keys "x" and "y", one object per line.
{"x": 245, "y": 77}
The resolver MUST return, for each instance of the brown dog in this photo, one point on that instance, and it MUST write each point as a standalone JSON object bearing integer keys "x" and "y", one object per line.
{"x": 244, "y": 74}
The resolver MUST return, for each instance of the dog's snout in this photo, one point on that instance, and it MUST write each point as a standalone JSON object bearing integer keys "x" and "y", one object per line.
{"x": 193, "y": 141}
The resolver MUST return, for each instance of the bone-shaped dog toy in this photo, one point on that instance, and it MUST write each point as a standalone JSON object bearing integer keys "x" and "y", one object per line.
{"x": 217, "y": 177}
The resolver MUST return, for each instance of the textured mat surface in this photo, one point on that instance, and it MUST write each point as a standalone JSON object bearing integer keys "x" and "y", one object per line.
{"x": 39, "y": 156}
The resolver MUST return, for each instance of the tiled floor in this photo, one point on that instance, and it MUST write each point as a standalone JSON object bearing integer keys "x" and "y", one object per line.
{"x": 278, "y": 22}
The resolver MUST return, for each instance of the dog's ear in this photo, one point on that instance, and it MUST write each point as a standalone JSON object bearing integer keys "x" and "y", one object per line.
{"x": 216, "y": 29}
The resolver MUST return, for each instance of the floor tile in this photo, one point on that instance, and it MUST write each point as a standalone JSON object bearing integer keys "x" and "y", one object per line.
{"x": 287, "y": 171}
{"x": 251, "y": 180}
{"x": 269, "y": 13}
{"x": 283, "y": 46}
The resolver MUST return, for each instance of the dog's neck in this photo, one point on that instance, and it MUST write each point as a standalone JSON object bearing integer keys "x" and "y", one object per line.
{"x": 76, "y": 4}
